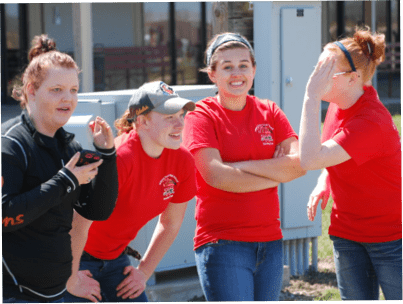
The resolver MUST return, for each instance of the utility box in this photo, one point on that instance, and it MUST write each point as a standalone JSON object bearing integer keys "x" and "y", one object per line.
{"x": 287, "y": 43}
{"x": 110, "y": 106}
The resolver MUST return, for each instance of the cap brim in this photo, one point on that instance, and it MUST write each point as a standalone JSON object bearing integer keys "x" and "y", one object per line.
{"x": 174, "y": 105}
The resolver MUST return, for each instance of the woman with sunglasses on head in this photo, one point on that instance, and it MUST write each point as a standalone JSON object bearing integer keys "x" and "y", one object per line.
{"x": 360, "y": 155}
{"x": 243, "y": 148}
{"x": 42, "y": 184}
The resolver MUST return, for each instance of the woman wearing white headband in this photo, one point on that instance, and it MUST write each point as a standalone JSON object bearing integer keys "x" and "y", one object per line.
{"x": 243, "y": 148}
{"x": 360, "y": 155}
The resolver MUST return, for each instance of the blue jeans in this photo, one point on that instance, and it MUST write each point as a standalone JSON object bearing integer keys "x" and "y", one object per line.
{"x": 240, "y": 271}
{"x": 109, "y": 274}
{"x": 362, "y": 267}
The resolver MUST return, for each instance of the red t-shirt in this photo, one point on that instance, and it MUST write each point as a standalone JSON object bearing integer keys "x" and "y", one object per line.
{"x": 367, "y": 188}
{"x": 250, "y": 134}
{"x": 146, "y": 187}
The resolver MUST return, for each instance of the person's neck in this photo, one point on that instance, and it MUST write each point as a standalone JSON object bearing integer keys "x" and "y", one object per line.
{"x": 350, "y": 98}
{"x": 40, "y": 128}
{"x": 149, "y": 146}
{"x": 232, "y": 103}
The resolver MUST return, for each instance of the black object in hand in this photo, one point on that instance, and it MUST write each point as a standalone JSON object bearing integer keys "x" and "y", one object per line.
{"x": 88, "y": 157}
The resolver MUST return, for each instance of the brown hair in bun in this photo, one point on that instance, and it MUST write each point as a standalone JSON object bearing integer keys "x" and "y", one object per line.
{"x": 42, "y": 56}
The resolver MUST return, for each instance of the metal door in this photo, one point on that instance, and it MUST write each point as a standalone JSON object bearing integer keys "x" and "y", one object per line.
{"x": 300, "y": 36}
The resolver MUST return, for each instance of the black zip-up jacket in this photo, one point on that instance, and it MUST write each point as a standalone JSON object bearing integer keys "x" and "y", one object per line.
{"x": 39, "y": 195}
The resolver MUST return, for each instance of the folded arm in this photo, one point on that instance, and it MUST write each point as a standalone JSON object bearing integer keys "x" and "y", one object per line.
{"x": 282, "y": 169}
{"x": 222, "y": 176}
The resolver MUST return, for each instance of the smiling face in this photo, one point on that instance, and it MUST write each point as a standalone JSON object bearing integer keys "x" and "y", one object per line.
{"x": 234, "y": 73}
{"x": 163, "y": 131}
{"x": 53, "y": 103}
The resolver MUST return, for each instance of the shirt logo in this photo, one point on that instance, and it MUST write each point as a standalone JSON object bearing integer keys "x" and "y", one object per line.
{"x": 168, "y": 184}
{"x": 266, "y": 132}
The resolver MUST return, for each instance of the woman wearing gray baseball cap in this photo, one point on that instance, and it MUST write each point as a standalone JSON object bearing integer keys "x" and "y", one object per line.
{"x": 156, "y": 177}
{"x": 243, "y": 148}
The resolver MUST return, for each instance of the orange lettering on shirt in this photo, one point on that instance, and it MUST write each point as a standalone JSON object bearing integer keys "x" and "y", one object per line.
{"x": 19, "y": 219}
{"x": 9, "y": 220}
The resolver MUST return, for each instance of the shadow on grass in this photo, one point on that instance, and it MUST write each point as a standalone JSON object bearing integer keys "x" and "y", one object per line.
{"x": 323, "y": 276}
{"x": 313, "y": 285}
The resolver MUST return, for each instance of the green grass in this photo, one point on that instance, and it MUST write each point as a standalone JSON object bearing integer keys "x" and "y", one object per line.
{"x": 397, "y": 121}
{"x": 325, "y": 245}
{"x": 331, "y": 294}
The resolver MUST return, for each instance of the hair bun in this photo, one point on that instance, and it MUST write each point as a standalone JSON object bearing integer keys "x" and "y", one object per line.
{"x": 40, "y": 45}
{"x": 372, "y": 45}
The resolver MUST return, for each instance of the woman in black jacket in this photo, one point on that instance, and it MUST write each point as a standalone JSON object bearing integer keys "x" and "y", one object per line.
{"x": 42, "y": 184}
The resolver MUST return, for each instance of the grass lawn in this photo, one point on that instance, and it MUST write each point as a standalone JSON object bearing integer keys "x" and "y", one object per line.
{"x": 397, "y": 120}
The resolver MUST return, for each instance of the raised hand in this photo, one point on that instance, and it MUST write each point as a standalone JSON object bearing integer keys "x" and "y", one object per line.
{"x": 102, "y": 133}
{"x": 321, "y": 79}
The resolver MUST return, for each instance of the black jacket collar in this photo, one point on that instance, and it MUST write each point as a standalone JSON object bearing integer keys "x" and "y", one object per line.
{"x": 61, "y": 135}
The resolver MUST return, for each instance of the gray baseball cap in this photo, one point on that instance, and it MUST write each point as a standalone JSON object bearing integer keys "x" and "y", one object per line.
{"x": 159, "y": 97}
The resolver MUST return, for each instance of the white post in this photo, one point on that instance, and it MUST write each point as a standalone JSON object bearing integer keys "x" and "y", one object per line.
{"x": 87, "y": 60}
{"x": 262, "y": 38}
{"x": 373, "y": 28}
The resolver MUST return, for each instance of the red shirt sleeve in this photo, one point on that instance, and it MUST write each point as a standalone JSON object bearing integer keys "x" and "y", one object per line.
{"x": 199, "y": 131}
{"x": 361, "y": 139}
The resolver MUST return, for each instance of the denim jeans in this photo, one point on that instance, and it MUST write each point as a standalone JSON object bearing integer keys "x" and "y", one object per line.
{"x": 240, "y": 271}
{"x": 362, "y": 267}
{"x": 109, "y": 274}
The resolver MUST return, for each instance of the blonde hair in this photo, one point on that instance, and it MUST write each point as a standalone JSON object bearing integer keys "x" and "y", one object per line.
{"x": 42, "y": 57}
